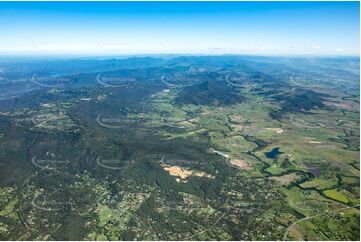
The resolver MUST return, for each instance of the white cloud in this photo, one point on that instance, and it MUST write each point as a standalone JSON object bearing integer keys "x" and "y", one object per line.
{"x": 337, "y": 50}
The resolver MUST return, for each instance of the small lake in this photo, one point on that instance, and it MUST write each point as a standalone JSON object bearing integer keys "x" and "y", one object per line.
{"x": 273, "y": 153}
{"x": 314, "y": 170}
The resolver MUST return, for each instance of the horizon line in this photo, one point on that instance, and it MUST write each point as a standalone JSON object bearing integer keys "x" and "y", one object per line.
{"x": 76, "y": 55}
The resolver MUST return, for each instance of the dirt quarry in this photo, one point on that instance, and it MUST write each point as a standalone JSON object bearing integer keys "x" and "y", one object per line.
{"x": 178, "y": 171}
{"x": 184, "y": 173}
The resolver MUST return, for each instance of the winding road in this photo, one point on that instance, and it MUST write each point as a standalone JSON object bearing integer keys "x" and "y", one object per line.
{"x": 314, "y": 216}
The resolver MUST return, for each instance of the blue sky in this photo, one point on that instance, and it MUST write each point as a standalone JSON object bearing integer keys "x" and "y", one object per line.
{"x": 112, "y": 28}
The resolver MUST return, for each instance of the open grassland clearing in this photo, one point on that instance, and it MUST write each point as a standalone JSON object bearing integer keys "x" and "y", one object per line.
{"x": 319, "y": 183}
{"x": 275, "y": 170}
{"x": 234, "y": 144}
{"x": 286, "y": 179}
{"x": 336, "y": 195}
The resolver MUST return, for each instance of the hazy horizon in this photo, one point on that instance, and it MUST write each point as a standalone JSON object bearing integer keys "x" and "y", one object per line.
{"x": 41, "y": 56}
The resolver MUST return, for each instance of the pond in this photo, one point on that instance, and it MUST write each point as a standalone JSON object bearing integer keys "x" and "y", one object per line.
{"x": 273, "y": 153}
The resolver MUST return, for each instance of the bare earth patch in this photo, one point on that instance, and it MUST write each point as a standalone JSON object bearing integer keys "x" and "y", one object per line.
{"x": 277, "y": 130}
{"x": 220, "y": 153}
{"x": 178, "y": 171}
{"x": 286, "y": 179}
{"x": 236, "y": 118}
{"x": 184, "y": 173}
{"x": 314, "y": 142}
{"x": 241, "y": 164}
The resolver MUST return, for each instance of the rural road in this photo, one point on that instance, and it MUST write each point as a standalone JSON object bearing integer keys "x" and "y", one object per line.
{"x": 311, "y": 217}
